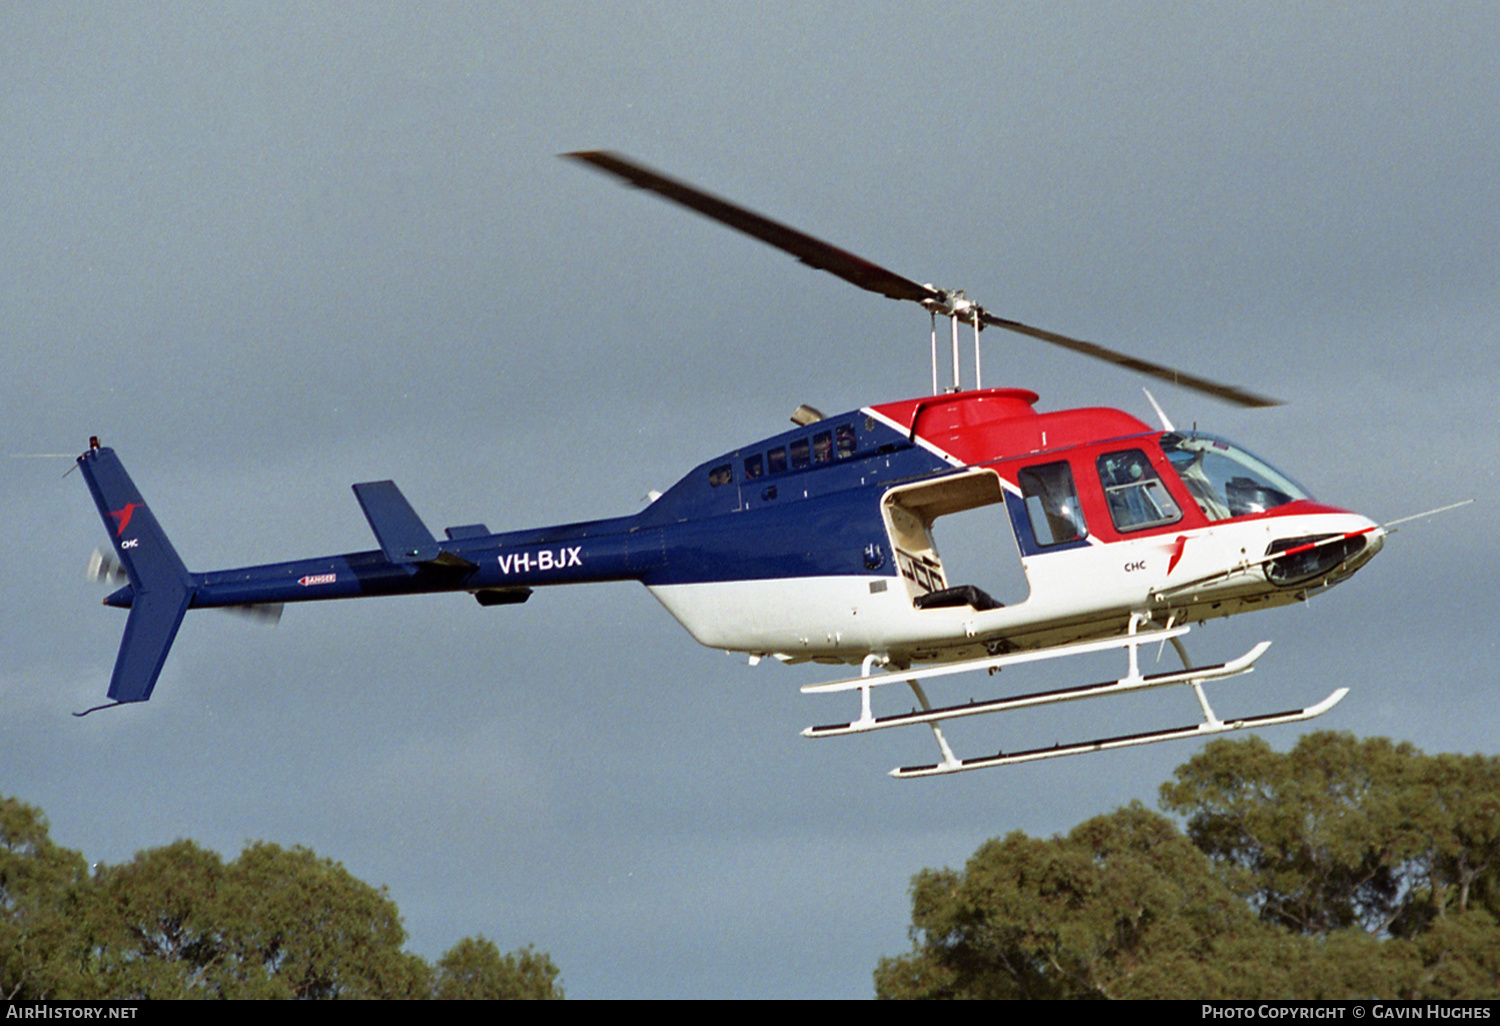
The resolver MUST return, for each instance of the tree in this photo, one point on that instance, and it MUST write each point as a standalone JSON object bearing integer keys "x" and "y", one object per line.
{"x": 1123, "y": 906}
{"x": 1343, "y": 868}
{"x": 42, "y": 887}
{"x": 275, "y": 923}
{"x": 1341, "y": 833}
{"x": 154, "y": 926}
{"x": 474, "y": 969}
{"x": 180, "y": 922}
{"x": 306, "y": 923}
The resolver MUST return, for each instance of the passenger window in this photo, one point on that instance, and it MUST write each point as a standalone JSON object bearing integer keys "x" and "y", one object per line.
{"x": 1052, "y": 503}
{"x": 822, "y": 446}
{"x": 776, "y": 460}
{"x": 799, "y": 454}
{"x": 755, "y": 466}
{"x": 845, "y": 433}
{"x": 721, "y": 475}
{"x": 1134, "y": 491}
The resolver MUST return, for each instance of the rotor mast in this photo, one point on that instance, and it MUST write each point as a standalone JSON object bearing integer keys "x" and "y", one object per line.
{"x": 954, "y": 305}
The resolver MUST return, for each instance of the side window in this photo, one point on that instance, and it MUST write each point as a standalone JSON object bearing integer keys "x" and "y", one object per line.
{"x": 1052, "y": 503}
{"x": 776, "y": 460}
{"x": 1134, "y": 492}
{"x": 755, "y": 466}
{"x": 822, "y": 446}
{"x": 800, "y": 456}
{"x": 845, "y": 433}
{"x": 721, "y": 475}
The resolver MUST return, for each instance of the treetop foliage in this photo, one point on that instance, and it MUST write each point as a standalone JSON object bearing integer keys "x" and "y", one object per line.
{"x": 1341, "y": 833}
{"x": 180, "y": 922}
{"x": 474, "y": 969}
{"x": 1343, "y": 868}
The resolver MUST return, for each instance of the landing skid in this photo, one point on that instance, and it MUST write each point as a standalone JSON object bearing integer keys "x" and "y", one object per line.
{"x": 1134, "y": 680}
{"x": 1124, "y": 741}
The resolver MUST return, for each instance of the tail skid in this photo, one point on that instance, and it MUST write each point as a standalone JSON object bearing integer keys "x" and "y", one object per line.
{"x": 160, "y": 590}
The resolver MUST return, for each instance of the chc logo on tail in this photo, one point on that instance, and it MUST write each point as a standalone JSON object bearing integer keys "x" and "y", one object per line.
{"x": 124, "y": 515}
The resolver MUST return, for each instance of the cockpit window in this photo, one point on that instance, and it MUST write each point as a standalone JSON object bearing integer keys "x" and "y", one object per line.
{"x": 1134, "y": 491}
{"x": 1225, "y": 480}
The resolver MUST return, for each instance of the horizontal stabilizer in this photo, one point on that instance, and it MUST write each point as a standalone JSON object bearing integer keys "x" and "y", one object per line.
{"x": 402, "y": 535}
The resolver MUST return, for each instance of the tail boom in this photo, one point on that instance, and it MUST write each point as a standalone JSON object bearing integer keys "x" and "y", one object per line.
{"x": 497, "y": 568}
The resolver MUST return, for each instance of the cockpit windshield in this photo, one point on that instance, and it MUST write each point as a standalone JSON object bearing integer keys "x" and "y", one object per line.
{"x": 1225, "y": 480}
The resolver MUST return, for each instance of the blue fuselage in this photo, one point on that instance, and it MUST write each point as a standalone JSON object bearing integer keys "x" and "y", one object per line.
{"x": 819, "y": 519}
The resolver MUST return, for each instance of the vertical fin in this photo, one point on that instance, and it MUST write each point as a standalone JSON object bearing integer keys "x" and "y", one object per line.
{"x": 149, "y": 632}
{"x": 161, "y": 589}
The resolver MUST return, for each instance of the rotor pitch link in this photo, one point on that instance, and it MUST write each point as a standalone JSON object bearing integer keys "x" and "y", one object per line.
{"x": 1124, "y": 741}
{"x": 1233, "y": 668}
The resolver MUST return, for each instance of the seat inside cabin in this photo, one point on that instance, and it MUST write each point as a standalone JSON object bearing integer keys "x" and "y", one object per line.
{"x": 910, "y": 512}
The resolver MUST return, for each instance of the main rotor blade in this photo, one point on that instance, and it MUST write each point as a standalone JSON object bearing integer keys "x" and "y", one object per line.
{"x": 874, "y": 278}
{"x": 813, "y": 252}
{"x": 1229, "y": 393}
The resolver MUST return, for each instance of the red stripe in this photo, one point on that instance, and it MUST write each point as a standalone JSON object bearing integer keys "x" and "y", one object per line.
{"x": 1326, "y": 541}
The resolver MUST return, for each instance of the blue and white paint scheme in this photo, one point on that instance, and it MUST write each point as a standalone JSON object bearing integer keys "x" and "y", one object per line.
{"x": 821, "y": 543}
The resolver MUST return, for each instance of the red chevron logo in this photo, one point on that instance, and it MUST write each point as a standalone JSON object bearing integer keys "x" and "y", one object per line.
{"x": 124, "y": 515}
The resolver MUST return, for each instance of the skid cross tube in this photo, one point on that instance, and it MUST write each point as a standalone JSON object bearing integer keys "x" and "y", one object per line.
{"x": 1194, "y": 676}
{"x": 995, "y": 662}
{"x": 1138, "y": 633}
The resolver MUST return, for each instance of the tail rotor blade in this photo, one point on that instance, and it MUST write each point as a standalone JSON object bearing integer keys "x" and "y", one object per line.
{"x": 104, "y": 569}
{"x": 267, "y": 614}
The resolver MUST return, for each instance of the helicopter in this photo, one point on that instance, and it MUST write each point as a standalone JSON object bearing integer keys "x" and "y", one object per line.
{"x": 819, "y": 544}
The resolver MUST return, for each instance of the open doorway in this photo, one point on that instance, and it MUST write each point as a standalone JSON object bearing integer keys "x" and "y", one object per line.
{"x": 953, "y": 542}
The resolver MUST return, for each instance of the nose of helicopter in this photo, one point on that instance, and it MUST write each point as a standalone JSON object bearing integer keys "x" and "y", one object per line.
{"x": 1327, "y": 549}
{"x": 1373, "y": 536}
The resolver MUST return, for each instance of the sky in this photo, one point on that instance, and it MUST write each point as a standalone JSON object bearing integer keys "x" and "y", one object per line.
{"x": 265, "y": 251}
